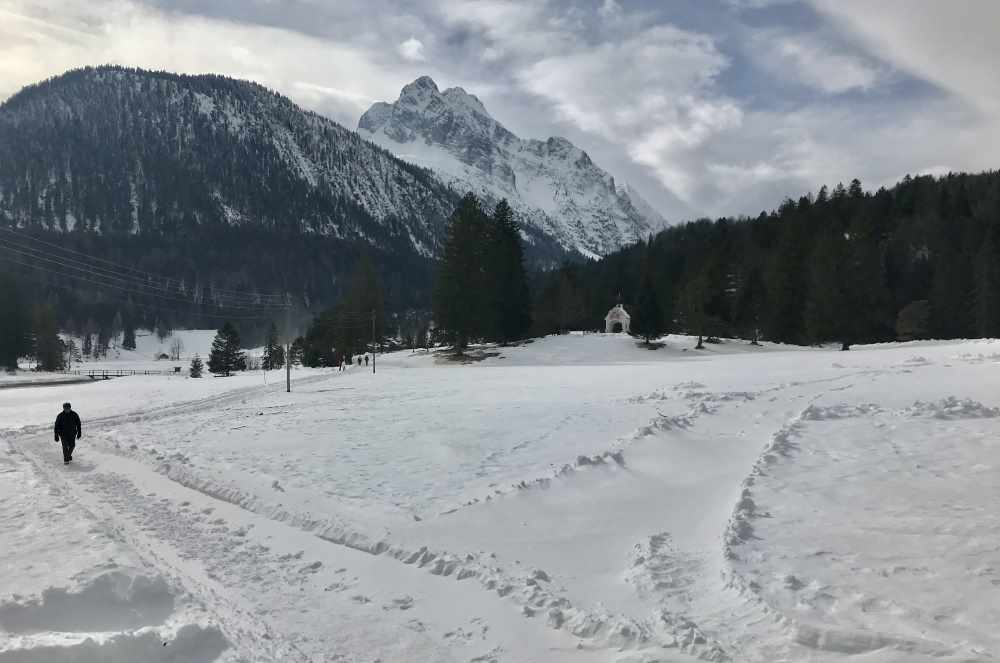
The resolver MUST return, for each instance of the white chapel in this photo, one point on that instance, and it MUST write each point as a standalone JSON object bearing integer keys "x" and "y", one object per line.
{"x": 617, "y": 316}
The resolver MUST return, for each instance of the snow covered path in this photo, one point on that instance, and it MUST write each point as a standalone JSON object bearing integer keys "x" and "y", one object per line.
{"x": 281, "y": 593}
{"x": 546, "y": 507}
{"x": 108, "y": 603}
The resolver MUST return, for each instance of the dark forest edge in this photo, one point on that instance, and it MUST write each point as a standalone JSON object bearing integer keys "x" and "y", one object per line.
{"x": 918, "y": 260}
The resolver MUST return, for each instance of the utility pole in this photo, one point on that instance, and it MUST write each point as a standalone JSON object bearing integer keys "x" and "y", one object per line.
{"x": 373, "y": 341}
{"x": 288, "y": 348}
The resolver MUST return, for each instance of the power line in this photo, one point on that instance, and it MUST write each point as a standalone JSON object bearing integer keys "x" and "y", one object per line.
{"x": 113, "y": 280}
{"x": 171, "y": 300}
{"x": 114, "y": 266}
{"x": 119, "y": 270}
{"x": 82, "y": 274}
{"x": 167, "y": 309}
{"x": 117, "y": 279}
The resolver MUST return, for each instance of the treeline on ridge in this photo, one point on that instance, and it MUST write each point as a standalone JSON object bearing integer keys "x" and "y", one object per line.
{"x": 919, "y": 260}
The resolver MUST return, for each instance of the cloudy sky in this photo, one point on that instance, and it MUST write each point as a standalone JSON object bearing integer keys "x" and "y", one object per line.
{"x": 706, "y": 107}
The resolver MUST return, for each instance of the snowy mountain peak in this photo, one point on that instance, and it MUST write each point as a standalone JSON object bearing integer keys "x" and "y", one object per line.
{"x": 419, "y": 93}
{"x": 552, "y": 184}
{"x": 460, "y": 98}
{"x": 423, "y": 92}
{"x": 422, "y": 83}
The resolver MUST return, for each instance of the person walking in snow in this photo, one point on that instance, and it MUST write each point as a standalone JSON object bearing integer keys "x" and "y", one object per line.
{"x": 68, "y": 431}
{"x": 366, "y": 360}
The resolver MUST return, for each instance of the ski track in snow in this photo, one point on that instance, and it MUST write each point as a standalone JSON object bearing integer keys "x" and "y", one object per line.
{"x": 253, "y": 560}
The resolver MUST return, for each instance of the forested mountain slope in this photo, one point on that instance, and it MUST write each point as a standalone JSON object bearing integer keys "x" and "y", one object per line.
{"x": 129, "y": 151}
{"x": 220, "y": 183}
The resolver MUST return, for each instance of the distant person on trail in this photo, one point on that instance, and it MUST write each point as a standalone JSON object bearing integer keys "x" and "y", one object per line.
{"x": 366, "y": 360}
{"x": 68, "y": 430}
{"x": 359, "y": 361}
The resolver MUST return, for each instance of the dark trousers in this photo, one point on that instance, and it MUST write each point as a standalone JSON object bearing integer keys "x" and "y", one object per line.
{"x": 68, "y": 446}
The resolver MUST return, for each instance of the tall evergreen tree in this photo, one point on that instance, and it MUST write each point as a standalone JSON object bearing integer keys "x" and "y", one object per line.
{"x": 103, "y": 341}
{"x": 319, "y": 347}
{"x": 647, "y": 317}
{"x": 296, "y": 351}
{"x": 460, "y": 296}
{"x": 952, "y": 291}
{"x": 162, "y": 330}
{"x": 274, "y": 353}
{"x": 49, "y": 349}
{"x": 826, "y": 311}
{"x": 748, "y": 306}
{"x": 15, "y": 324}
{"x": 226, "y": 355}
{"x": 987, "y": 288}
{"x": 913, "y": 321}
{"x": 510, "y": 317}
{"x": 128, "y": 336}
{"x": 364, "y": 299}
{"x": 89, "y": 331}
{"x": 786, "y": 287}
{"x": 868, "y": 301}
{"x": 692, "y": 304}
{"x": 117, "y": 326}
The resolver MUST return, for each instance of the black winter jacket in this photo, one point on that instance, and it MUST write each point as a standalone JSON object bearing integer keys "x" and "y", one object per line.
{"x": 68, "y": 425}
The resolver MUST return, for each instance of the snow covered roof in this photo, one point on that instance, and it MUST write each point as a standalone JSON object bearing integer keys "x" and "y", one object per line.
{"x": 617, "y": 314}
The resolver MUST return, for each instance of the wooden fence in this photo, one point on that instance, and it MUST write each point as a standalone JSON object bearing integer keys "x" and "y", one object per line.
{"x": 103, "y": 374}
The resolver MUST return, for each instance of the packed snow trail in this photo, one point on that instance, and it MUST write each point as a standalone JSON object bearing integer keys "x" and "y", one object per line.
{"x": 100, "y": 602}
{"x": 283, "y": 593}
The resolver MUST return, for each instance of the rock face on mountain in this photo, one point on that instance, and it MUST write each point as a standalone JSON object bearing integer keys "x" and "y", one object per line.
{"x": 552, "y": 185}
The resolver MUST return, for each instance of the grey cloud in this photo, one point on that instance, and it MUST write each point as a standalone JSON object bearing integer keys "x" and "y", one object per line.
{"x": 708, "y": 107}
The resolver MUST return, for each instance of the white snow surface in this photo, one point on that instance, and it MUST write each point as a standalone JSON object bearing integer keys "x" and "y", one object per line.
{"x": 551, "y": 184}
{"x": 577, "y": 498}
{"x": 148, "y": 347}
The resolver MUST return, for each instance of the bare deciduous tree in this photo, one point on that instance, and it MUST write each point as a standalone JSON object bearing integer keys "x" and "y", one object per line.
{"x": 175, "y": 349}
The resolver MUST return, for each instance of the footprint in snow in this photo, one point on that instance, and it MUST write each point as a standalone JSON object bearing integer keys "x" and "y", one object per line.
{"x": 311, "y": 568}
{"x": 403, "y": 603}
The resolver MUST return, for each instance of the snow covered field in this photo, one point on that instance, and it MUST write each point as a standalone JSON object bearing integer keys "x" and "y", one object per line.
{"x": 578, "y": 498}
{"x": 147, "y": 348}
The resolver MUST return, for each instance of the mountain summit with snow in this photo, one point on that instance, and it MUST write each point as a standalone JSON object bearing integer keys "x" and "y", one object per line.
{"x": 552, "y": 185}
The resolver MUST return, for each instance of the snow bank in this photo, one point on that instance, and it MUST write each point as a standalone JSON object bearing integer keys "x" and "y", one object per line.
{"x": 110, "y": 601}
{"x": 190, "y": 644}
{"x": 148, "y": 347}
{"x": 72, "y": 592}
